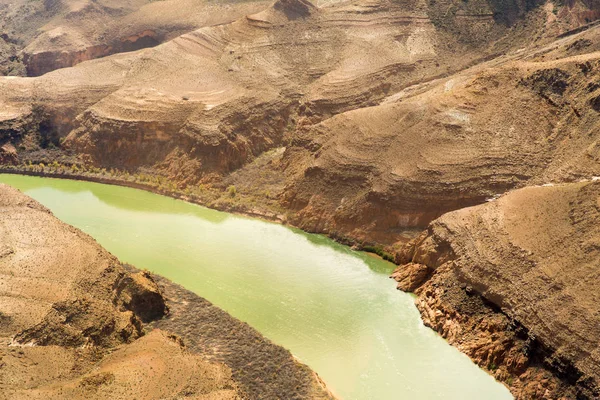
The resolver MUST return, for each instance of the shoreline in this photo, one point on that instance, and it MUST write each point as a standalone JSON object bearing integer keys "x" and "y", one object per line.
{"x": 270, "y": 217}
{"x": 111, "y": 329}
{"x": 372, "y": 248}
{"x": 240, "y": 346}
{"x": 262, "y": 216}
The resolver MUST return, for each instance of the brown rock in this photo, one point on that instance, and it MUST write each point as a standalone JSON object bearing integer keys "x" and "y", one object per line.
{"x": 8, "y": 154}
{"x": 411, "y": 276}
{"x": 518, "y": 295}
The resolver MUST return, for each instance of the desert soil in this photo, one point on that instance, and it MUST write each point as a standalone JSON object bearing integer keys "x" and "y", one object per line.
{"x": 76, "y": 323}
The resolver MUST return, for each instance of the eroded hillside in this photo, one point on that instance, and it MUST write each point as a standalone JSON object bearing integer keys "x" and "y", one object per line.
{"x": 41, "y": 36}
{"x": 451, "y": 143}
{"x": 75, "y": 323}
{"x": 514, "y": 284}
{"x": 388, "y": 112}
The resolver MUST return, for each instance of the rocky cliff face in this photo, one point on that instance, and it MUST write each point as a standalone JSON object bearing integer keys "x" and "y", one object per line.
{"x": 389, "y": 113}
{"x": 513, "y": 284}
{"x": 39, "y": 37}
{"x": 223, "y": 95}
{"x": 450, "y": 143}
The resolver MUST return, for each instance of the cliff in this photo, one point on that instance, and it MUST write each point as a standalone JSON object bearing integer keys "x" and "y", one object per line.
{"x": 513, "y": 283}
{"x": 388, "y": 113}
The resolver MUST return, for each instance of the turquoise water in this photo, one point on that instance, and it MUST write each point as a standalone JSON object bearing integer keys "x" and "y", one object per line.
{"x": 333, "y": 308}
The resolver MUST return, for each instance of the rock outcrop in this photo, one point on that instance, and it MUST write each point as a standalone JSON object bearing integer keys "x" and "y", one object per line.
{"x": 513, "y": 283}
{"x": 376, "y": 172}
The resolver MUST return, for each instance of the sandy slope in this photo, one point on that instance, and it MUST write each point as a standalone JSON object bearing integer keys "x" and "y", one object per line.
{"x": 79, "y": 309}
{"x": 56, "y": 34}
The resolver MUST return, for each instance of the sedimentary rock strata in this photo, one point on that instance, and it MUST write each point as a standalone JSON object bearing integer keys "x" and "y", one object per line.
{"x": 385, "y": 126}
{"x": 39, "y": 37}
{"x": 513, "y": 283}
{"x": 455, "y": 142}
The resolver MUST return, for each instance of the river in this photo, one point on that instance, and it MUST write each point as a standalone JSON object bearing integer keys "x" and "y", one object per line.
{"x": 334, "y": 308}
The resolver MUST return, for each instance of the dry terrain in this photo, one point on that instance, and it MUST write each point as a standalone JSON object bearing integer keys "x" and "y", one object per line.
{"x": 40, "y": 36}
{"x": 514, "y": 284}
{"x": 75, "y": 323}
{"x": 365, "y": 120}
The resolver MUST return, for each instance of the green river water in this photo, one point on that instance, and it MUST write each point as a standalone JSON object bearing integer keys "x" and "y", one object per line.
{"x": 333, "y": 308}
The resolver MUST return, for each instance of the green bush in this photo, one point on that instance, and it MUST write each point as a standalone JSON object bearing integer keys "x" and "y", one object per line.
{"x": 231, "y": 190}
{"x": 379, "y": 251}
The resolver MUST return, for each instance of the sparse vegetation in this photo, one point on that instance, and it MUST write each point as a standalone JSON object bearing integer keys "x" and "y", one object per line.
{"x": 379, "y": 251}
{"x": 231, "y": 190}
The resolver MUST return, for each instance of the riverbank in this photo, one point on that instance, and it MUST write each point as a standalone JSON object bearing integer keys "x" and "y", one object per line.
{"x": 130, "y": 182}
{"x": 254, "y": 360}
{"x": 456, "y": 317}
{"x": 214, "y": 199}
{"x": 78, "y": 323}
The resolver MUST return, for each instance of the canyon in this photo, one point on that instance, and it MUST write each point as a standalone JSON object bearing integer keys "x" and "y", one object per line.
{"x": 77, "y": 323}
{"x": 366, "y": 341}
{"x": 422, "y": 130}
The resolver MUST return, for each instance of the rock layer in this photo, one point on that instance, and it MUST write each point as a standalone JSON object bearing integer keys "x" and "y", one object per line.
{"x": 513, "y": 283}
{"x": 385, "y": 126}
{"x": 375, "y": 172}
{"x": 44, "y": 36}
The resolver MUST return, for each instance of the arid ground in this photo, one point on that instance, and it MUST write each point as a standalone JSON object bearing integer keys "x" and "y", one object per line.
{"x": 424, "y": 131}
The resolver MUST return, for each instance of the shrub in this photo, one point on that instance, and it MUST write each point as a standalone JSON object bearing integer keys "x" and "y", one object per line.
{"x": 231, "y": 190}
{"x": 379, "y": 251}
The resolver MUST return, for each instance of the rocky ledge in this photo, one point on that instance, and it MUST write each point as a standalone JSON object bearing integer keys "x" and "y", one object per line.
{"x": 514, "y": 284}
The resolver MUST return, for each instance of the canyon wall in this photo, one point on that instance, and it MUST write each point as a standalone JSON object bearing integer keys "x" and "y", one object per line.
{"x": 390, "y": 113}
{"x": 39, "y": 37}
{"x": 513, "y": 284}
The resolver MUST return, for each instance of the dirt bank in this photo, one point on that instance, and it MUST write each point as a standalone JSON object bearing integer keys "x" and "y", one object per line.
{"x": 76, "y": 323}
{"x": 211, "y": 332}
